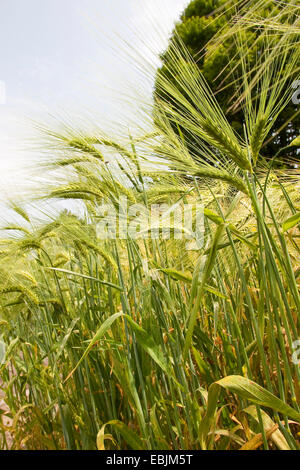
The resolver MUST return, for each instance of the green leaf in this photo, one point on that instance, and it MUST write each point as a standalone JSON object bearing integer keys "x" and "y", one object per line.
{"x": 105, "y": 283}
{"x": 260, "y": 396}
{"x": 217, "y": 219}
{"x": 149, "y": 345}
{"x": 100, "y": 333}
{"x": 131, "y": 438}
{"x": 291, "y": 222}
{"x": 142, "y": 337}
{"x": 63, "y": 343}
{"x": 209, "y": 265}
{"x": 177, "y": 275}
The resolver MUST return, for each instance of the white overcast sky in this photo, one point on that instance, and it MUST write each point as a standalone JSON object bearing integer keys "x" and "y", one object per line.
{"x": 65, "y": 55}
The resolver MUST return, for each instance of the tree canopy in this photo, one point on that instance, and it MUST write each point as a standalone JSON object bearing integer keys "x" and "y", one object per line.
{"x": 203, "y": 20}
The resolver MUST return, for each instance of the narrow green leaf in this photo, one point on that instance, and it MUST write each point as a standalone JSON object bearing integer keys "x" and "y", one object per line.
{"x": 291, "y": 222}
{"x": 105, "y": 283}
{"x": 100, "y": 333}
{"x": 149, "y": 345}
{"x": 63, "y": 343}
{"x": 209, "y": 265}
{"x": 131, "y": 438}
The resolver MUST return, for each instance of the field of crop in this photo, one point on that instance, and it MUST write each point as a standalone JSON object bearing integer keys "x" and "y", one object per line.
{"x": 162, "y": 337}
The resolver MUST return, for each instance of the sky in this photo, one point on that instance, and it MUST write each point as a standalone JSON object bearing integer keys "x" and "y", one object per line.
{"x": 73, "y": 57}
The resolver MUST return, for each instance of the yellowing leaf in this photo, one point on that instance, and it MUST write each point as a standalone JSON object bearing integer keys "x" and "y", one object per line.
{"x": 295, "y": 142}
{"x": 277, "y": 437}
{"x": 257, "y": 440}
{"x": 248, "y": 390}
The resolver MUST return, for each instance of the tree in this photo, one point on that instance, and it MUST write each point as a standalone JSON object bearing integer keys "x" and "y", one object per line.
{"x": 201, "y": 21}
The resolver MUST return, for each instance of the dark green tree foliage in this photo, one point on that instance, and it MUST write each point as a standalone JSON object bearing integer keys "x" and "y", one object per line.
{"x": 201, "y": 21}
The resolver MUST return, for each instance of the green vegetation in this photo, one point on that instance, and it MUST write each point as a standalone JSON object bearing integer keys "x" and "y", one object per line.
{"x": 144, "y": 343}
{"x": 201, "y": 25}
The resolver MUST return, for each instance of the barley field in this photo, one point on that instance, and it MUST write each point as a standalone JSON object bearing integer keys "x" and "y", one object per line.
{"x": 161, "y": 337}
